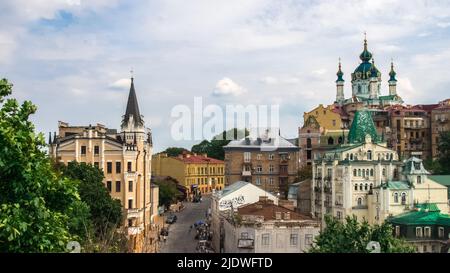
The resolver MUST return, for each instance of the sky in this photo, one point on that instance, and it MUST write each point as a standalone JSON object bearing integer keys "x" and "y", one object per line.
{"x": 73, "y": 58}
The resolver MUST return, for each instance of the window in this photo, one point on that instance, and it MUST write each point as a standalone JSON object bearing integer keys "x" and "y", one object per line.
{"x": 371, "y": 172}
{"x": 97, "y": 165}
{"x": 366, "y": 187}
{"x": 259, "y": 157}
{"x": 293, "y": 240}
{"x": 271, "y": 169}
{"x": 354, "y": 172}
{"x": 419, "y": 232}
{"x": 441, "y": 232}
{"x": 361, "y": 187}
{"x": 427, "y": 232}
{"x": 129, "y": 169}
{"x": 359, "y": 172}
{"x": 403, "y": 198}
{"x": 130, "y": 186}
{"x": 359, "y": 202}
{"x": 118, "y": 167}
{"x": 351, "y": 156}
{"x": 109, "y": 167}
{"x": 271, "y": 181}
{"x": 130, "y": 203}
{"x": 384, "y": 172}
{"x": 371, "y": 186}
{"x": 109, "y": 186}
{"x": 96, "y": 150}
{"x": 265, "y": 239}
{"x": 356, "y": 187}
{"x": 271, "y": 156}
{"x": 259, "y": 169}
{"x": 83, "y": 150}
{"x": 247, "y": 157}
{"x": 244, "y": 235}
{"x": 419, "y": 179}
{"x": 308, "y": 154}
{"x": 330, "y": 141}
{"x": 308, "y": 143}
{"x": 369, "y": 155}
{"x": 130, "y": 222}
{"x": 258, "y": 181}
{"x": 118, "y": 186}
{"x": 308, "y": 239}
{"x": 396, "y": 197}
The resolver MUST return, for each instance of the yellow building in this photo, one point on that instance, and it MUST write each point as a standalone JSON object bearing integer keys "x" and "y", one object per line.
{"x": 328, "y": 117}
{"x": 125, "y": 158}
{"x": 191, "y": 170}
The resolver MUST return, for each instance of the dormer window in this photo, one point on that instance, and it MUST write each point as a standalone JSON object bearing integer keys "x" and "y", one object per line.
{"x": 369, "y": 155}
{"x": 419, "y": 179}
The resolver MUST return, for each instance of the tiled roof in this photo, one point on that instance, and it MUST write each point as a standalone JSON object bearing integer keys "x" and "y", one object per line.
{"x": 362, "y": 125}
{"x": 196, "y": 159}
{"x": 268, "y": 211}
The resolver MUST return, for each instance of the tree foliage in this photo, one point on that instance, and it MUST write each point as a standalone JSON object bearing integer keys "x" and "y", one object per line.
{"x": 36, "y": 204}
{"x": 168, "y": 192}
{"x": 441, "y": 166}
{"x": 214, "y": 148}
{"x": 105, "y": 212}
{"x": 304, "y": 173}
{"x": 175, "y": 151}
{"x": 351, "y": 236}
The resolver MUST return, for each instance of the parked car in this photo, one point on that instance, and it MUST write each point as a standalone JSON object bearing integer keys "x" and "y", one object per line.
{"x": 171, "y": 219}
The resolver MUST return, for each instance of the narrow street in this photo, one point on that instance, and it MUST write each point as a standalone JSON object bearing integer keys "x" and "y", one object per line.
{"x": 180, "y": 239}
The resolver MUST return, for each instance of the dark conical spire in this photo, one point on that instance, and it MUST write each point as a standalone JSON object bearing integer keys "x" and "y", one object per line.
{"x": 132, "y": 108}
{"x": 392, "y": 74}
{"x": 49, "y": 137}
{"x": 365, "y": 55}
{"x": 340, "y": 74}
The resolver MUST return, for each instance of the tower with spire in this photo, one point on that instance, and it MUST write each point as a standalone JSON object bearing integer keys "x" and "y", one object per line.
{"x": 340, "y": 85}
{"x": 392, "y": 81}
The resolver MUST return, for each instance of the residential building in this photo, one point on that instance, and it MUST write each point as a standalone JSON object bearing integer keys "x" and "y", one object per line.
{"x": 231, "y": 198}
{"x": 425, "y": 227}
{"x": 264, "y": 227}
{"x": 125, "y": 158}
{"x": 300, "y": 195}
{"x": 366, "y": 179}
{"x": 191, "y": 170}
{"x": 270, "y": 162}
{"x": 440, "y": 122}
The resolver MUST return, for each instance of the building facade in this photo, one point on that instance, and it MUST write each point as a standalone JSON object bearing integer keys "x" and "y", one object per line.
{"x": 269, "y": 162}
{"x": 366, "y": 179}
{"x": 440, "y": 122}
{"x": 264, "y": 227}
{"x": 425, "y": 227}
{"x": 125, "y": 158}
{"x": 192, "y": 171}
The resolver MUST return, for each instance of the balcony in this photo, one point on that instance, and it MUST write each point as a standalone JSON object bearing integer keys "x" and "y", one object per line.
{"x": 246, "y": 173}
{"x": 360, "y": 207}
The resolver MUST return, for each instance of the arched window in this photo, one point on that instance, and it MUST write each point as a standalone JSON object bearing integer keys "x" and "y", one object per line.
{"x": 371, "y": 172}
{"x": 361, "y": 187}
{"x": 369, "y": 155}
{"x": 367, "y": 172}
{"x": 419, "y": 179}
{"x": 308, "y": 143}
{"x": 356, "y": 187}
{"x": 354, "y": 172}
{"x": 359, "y": 89}
{"x": 395, "y": 174}
{"x": 403, "y": 198}
{"x": 340, "y": 140}
{"x": 359, "y": 172}
{"x": 366, "y": 187}
{"x": 384, "y": 172}
{"x": 371, "y": 186}
{"x": 351, "y": 156}
{"x": 330, "y": 141}
{"x": 360, "y": 201}
{"x": 395, "y": 197}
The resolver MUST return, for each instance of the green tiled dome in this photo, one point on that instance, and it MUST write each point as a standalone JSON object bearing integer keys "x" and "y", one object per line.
{"x": 362, "y": 126}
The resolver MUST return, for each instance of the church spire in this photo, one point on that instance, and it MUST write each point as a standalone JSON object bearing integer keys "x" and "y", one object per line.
{"x": 132, "y": 108}
{"x": 365, "y": 55}
{"x": 392, "y": 74}
{"x": 340, "y": 74}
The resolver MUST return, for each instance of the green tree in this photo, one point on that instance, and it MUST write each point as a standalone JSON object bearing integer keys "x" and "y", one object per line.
{"x": 168, "y": 192}
{"x": 351, "y": 236}
{"x": 175, "y": 151}
{"x": 441, "y": 165}
{"x": 214, "y": 148}
{"x": 105, "y": 212}
{"x": 35, "y": 202}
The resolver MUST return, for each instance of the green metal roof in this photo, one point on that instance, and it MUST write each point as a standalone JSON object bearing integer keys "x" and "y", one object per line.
{"x": 362, "y": 126}
{"x": 426, "y": 214}
{"x": 441, "y": 179}
{"x": 395, "y": 185}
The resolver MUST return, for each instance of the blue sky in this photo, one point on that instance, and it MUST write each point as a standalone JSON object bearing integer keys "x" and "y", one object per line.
{"x": 72, "y": 57}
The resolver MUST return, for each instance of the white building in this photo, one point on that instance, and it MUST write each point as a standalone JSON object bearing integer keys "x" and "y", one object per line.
{"x": 230, "y": 199}
{"x": 264, "y": 227}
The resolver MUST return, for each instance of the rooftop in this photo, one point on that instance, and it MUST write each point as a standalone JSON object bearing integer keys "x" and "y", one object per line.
{"x": 424, "y": 214}
{"x": 269, "y": 211}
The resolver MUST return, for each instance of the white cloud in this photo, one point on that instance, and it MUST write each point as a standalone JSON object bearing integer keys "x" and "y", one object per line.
{"x": 121, "y": 84}
{"x": 226, "y": 87}
{"x": 269, "y": 80}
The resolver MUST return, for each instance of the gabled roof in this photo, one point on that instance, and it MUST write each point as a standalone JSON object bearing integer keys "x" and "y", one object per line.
{"x": 414, "y": 166}
{"x": 395, "y": 185}
{"x": 441, "y": 179}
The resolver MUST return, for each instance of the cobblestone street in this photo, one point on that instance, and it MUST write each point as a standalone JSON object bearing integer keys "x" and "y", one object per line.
{"x": 181, "y": 239}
